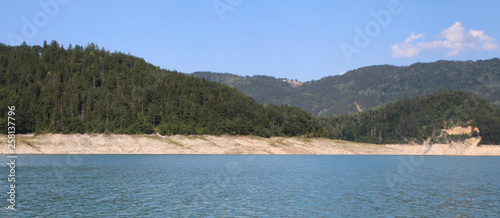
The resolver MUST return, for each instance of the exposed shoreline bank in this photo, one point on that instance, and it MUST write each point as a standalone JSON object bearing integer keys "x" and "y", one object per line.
{"x": 226, "y": 144}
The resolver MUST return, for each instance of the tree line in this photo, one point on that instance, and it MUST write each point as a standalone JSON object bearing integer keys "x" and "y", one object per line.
{"x": 91, "y": 90}
{"x": 419, "y": 119}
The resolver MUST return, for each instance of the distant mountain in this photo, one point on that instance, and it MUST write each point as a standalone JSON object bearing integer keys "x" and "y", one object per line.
{"x": 263, "y": 89}
{"x": 372, "y": 86}
{"x": 420, "y": 118}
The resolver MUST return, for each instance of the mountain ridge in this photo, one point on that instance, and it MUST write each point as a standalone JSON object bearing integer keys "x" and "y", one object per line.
{"x": 370, "y": 86}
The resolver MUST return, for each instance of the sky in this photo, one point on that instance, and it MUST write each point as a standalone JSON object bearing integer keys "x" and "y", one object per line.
{"x": 304, "y": 40}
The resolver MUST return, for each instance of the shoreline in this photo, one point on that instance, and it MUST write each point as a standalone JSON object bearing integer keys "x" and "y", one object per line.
{"x": 227, "y": 144}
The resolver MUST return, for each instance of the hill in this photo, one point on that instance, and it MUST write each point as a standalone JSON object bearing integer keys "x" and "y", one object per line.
{"x": 90, "y": 90}
{"x": 438, "y": 117}
{"x": 371, "y": 86}
{"x": 264, "y": 89}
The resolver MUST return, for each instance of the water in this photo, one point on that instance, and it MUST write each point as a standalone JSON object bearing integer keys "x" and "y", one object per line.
{"x": 253, "y": 185}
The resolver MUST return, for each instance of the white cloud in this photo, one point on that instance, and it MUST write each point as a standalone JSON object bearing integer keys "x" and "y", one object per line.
{"x": 454, "y": 40}
{"x": 414, "y": 37}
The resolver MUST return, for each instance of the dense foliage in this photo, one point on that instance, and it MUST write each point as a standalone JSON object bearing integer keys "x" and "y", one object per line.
{"x": 372, "y": 86}
{"x": 418, "y": 119}
{"x": 90, "y": 90}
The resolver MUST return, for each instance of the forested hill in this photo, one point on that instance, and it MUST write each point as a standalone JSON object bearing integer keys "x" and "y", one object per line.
{"x": 90, "y": 90}
{"x": 372, "y": 86}
{"x": 264, "y": 89}
{"x": 419, "y": 119}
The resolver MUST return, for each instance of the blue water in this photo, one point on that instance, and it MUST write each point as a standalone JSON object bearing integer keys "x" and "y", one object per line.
{"x": 253, "y": 185}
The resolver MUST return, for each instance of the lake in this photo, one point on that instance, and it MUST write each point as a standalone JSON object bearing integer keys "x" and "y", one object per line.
{"x": 253, "y": 185}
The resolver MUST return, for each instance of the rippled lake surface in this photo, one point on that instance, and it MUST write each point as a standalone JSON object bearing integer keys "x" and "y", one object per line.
{"x": 253, "y": 185}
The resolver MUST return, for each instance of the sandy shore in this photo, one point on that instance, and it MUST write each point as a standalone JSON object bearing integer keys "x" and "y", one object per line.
{"x": 208, "y": 144}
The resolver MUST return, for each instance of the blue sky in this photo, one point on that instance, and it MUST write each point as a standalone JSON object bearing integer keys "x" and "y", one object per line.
{"x": 304, "y": 40}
